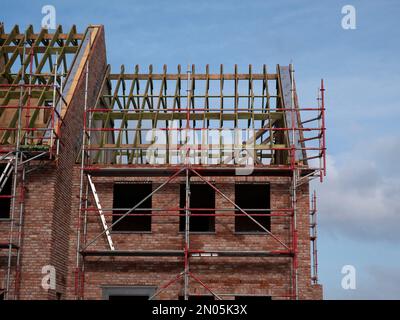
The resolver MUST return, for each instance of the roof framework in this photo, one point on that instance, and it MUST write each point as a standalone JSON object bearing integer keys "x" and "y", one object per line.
{"x": 33, "y": 68}
{"x": 137, "y": 113}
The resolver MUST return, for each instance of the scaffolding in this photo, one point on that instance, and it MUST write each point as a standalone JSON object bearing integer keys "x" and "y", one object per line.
{"x": 162, "y": 131}
{"x": 151, "y": 124}
{"x": 34, "y": 71}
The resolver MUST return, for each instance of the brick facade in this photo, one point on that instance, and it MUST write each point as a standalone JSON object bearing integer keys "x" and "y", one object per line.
{"x": 263, "y": 276}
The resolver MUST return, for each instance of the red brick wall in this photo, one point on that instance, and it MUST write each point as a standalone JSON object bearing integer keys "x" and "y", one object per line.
{"x": 264, "y": 276}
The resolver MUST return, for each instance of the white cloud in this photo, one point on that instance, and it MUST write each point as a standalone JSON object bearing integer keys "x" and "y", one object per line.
{"x": 361, "y": 195}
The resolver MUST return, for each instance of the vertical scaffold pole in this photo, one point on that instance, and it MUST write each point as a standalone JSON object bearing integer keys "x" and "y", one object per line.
{"x": 53, "y": 107}
{"x": 187, "y": 193}
{"x": 323, "y": 127}
{"x": 20, "y": 222}
{"x": 15, "y": 177}
{"x": 78, "y": 278}
{"x": 187, "y": 239}
{"x": 27, "y": 115}
{"x": 294, "y": 186}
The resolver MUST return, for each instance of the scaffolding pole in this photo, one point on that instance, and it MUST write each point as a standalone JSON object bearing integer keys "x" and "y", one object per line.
{"x": 187, "y": 235}
{"x": 15, "y": 180}
{"x": 81, "y": 211}
{"x": 187, "y": 193}
{"x": 294, "y": 184}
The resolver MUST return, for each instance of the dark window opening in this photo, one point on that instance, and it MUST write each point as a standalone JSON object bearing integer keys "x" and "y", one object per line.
{"x": 198, "y": 298}
{"x": 127, "y": 297}
{"x": 253, "y": 298}
{"x": 202, "y": 196}
{"x": 5, "y": 195}
{"x": 128, "y": 293}
{"x": 126, "y": 196}
{"x": 252, "y": 196}
{"x": 2, "y": 294}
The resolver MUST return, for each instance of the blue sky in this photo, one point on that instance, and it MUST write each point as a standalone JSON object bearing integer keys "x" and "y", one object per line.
{"x": 360, "y": 202}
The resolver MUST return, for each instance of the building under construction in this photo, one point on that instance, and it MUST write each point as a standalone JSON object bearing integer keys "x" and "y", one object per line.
{"x": 137, "y": 184}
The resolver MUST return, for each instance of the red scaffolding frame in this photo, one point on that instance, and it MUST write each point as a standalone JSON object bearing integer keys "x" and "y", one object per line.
{"x": 297, "y": 170}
